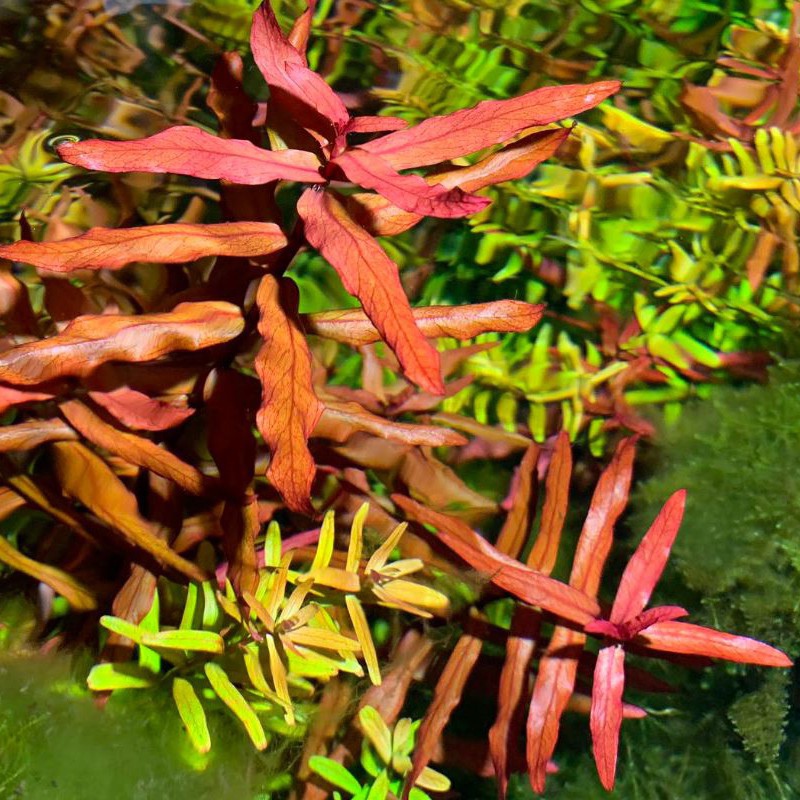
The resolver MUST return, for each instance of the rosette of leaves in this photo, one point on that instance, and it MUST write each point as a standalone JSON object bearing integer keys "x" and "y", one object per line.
{"x": 262, "y": 655}
{"x": 385, "y": 757}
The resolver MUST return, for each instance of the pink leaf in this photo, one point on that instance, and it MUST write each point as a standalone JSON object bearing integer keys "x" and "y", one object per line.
{"x": 409, "y": 192}
{"x": 369, "y": 124}
{"x": 112, "y": 248}
{"x": 439, "y": 139}
{"x": 696, "y": 640}
{"x": 184, "y": 150}
{"x": 138, "y": 411}
{"x": 291, "y": 82}
{"x": 10, "y": 397}
{"x": 369, "y": 274}
{"x": 606, "y": 715}
{"x": 648, "y": 562}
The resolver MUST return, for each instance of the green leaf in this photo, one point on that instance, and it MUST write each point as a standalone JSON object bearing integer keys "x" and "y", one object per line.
{"x": 111, "y": 677}
{"x": 233, "y": 699}
{"x": 189, "y": 608}
{"x": 193, "y": 641}
{"x": 150, "y": 659}
{"x": 192, "y": 714}
{"x": 380, "y": 788}
{"x": 333, "y": 772}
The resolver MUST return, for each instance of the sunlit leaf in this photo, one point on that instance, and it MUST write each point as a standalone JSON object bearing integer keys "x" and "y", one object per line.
{"x": 233, "y": 699}
{"x": 112, "y": 677}
{"x": 192, "y": 714}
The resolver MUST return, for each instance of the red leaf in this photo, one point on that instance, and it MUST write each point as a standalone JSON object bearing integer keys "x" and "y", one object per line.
{"x": 138, "y": 411}
{"x": 524, "y": 583}
{"x": 352, "y": 326}
{"x": 383, "y": 218}
{"x": 367, "y": 124}
{"x": 184, "y": 150}
{"x": 696, "y": 640}
{"x": 606, "y": 717}
{"x": 555, "y": 682}
{"x": 339, "y": 421}
{"x": 369, "y": 274}
{"x": 608, "y": 502}
{"x": 10, "y": 397}
{"x": 89, "y": 341}
{"x": 112, "y": 248}
{"x": 544, "y": 552}
{"x": 446, "y": 697}
{"x": 289, "y": 408}
{"x": 466, "y": 131}
{"x": 134, "y": 449}
{"x": 647, "y": 563}
{"x": 292, "y": 84}
{"x": 409, "y": 192}
{"x": 517, "y": 525}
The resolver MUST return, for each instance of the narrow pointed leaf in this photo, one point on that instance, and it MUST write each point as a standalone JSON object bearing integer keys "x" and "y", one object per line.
{"x": 301, "y": 30}
{"x": 319, "y": 637}
{"x": 409, "y": 192}
{"x": 289, "y": 407}
{"x": 356, "y": 543}
{"x": 361, "y": 627}
{"x": 192, "y": 714}
{"x": 89, "y": 341}
{"x": 339, "y": 421}
{"x": 292, "y": 84}
{"x": 446, "y": 697}
{"x": 353, "y": 327}
{"x": 606, "y": 715}
{"x": 608, "y": 502}
{"x": 134, "y": 449}
{"x": 85, "y": 477}
{"x": 544, "y": 552}
{"x": 524, "y": 583}
{"x": 80, "y": 597}
{"x": 32, "y": 434}
{"x": 696, "y": 640}
{"x": 185, "y": 150}
{"x": 113, "y": 248}
{"x": 381, "y": 555}
{"x": 517, "y": 524}
{"x": 192, "y": 641}
{"x": 280, "y": 679}
{"x": 647, "y": 563}
{"x": 493, "y": 121}
{"x": 233, "y": 699}
{"x": 112, "y": 677}
{"x": 369, "y": 274}
{"x": 139, "y": 412}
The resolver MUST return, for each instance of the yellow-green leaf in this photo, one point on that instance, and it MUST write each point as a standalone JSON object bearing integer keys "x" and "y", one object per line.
{"x": 361, "y": 628}
{"x": 233, "y": 699}
{"x": 378, "y": 733}
{"x": 192, "y": 714}
{"x": 111, "y": 677}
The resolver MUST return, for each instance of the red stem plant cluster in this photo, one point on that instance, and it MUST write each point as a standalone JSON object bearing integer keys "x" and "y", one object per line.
{"x": 193, "y": 412}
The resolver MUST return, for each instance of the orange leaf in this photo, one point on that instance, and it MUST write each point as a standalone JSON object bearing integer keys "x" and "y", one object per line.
{"x": 89, "y": 341}
{"x": 369, "y": 274}
{"x": 353, "y": 327}
{"x": 134, "y": 449}
{"x": 113, "y": 248}
{"x": 184, "y": 150}
{"x": 138, "y": 411}
{"x": 466, "y": 131}
{"x": 289, "y": 408}
{"x": 518, "y": 523}
{"x": 606, "y": 715}
{"x": 31, "y": 434}
{"x": 544, "y": 552}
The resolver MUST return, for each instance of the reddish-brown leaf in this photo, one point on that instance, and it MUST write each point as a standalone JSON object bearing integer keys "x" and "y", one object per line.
{"x": 409, "y": 192}
{"x": 647, "y": 563}
{"x": 353, "y": 327}
{"x": 292, "y": 84}
{"x": 31, "y": 434}
{"x": 606, "y": 715}
{"x": 89, "y": 341}
{"x": 555, "y": 682}
{"x": 184, "y": 150}
{"x": 524, "y": 583}
{"x": 138, "y": 411}
{"x": 15, "y": 305}
{"x": 695, "y": 640}
{"x": 517, "y": 524}
{"x": 339, "y": 421}
{"x": 608, "y": 502}
{"x": 544, "y": 552}
{"x": 134, "y": 449}
{"x": 369, "y": 274}
{"x": 446, "y": 697}
{"x": 289, "y": 407}
{"x": 491, "y": 122}
{"x": 301, "y": 30}
{"x": 384, "y": 218}
{"x": 85, "y": 477}
{"x": 113, "y": 248}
